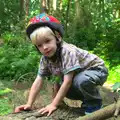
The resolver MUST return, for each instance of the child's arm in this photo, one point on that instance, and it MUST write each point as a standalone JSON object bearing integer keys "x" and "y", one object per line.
{"x": 36, "y": 86}
{"x": 60, "y": 95}
{"x": 63, "y": 89}
{"x": 56, "y": 88}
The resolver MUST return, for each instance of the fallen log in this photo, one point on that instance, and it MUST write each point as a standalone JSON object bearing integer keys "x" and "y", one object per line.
{"x": 71, "y": 111}
{"x": 63, "y": 113}
{"x": 66, "y": 113}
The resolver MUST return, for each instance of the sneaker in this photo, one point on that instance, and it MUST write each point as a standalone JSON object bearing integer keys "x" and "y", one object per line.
{"x": 90, "y": 109}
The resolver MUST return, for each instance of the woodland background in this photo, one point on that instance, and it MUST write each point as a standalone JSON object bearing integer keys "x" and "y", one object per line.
{"x": 93, "y": 25}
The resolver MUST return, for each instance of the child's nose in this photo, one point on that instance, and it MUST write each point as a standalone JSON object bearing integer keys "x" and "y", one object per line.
{"x": 45, "y": 47}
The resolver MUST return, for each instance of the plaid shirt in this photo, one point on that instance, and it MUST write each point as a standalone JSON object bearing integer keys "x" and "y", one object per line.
{"x": 72, "y": 58}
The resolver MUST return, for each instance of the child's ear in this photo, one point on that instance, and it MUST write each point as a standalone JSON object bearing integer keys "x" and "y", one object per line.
{"x": 58, "y": 37}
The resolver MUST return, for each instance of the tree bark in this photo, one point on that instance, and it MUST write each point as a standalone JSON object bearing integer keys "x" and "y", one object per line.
{"x": 54, "y": 5}
{"x": 27, "y": 7}
{"x": 67, "y": 14}
{"x": 48, "y": 5}
{"x": 60, "y": 5}
{"x": 43, "y": 6}
{"x": 21, "y": 7}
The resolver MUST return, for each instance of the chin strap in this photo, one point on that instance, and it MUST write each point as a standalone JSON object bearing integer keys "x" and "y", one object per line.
{"x": 37, "y": 49}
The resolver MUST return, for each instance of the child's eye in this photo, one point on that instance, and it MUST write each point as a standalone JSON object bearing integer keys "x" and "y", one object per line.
{"x": 39, "y": 45}
{"x": 47, "y": 41}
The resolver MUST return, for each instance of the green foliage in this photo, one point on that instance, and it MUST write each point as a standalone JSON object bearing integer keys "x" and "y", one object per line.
{"x": 34, "y": 8}
{"x": 116, "y": 87}
{"x": 82, "y": 37}
{"x": 5, "y": 91}
{"x": 9, "y": 14}
{"x": 13, "y": 39}
{"x": 5, "y": 107}
{"x": 114, "y": 74}
{"x": 96, "y": 28}
{"x": 54, "y": 79}
{"x": 15, "y": 62}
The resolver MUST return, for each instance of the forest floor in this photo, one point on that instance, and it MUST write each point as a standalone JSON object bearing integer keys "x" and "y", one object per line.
{"x": 21, "y": 90}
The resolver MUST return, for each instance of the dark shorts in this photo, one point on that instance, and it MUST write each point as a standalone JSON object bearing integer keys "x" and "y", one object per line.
{"x": 84, "y": 85}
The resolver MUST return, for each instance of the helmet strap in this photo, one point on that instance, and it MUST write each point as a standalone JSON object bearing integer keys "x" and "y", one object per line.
{"x": 37, "y": 49}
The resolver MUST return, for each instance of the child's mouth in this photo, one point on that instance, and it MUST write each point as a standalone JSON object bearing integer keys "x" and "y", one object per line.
{"x": 48, "y": 52}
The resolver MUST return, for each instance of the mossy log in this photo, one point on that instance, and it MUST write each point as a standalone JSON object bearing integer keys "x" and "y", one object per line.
{"x": 71, "y": 111}
{"x": 66, "y": 113}
{"x": 63, "y": 113}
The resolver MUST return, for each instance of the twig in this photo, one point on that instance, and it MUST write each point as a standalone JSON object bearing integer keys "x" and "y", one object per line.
{"x": 22, "y": 76}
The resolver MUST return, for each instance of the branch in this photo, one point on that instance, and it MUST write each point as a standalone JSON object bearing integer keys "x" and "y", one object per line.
{"x": 117, "y": 109}
{"x": 103, "y": 113}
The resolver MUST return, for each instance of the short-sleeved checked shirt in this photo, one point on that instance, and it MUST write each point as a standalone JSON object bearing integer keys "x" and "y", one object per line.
{"x": 71, "y": 58}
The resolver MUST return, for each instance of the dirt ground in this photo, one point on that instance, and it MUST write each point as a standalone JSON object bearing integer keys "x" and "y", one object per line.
{"x": 45, "y": 98}
{"x": 68, "y": 111}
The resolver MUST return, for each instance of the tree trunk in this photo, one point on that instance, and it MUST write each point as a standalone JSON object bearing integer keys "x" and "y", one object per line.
{"x": 48, "y": 5}
{"x": 43, "y": 6}
{"x": 54, "y": 5}
{"x": 60, "y": 5}
{"x": 27, "y": 7}
{"x": 67, "y": 14}
{"x": 21, "y": 7}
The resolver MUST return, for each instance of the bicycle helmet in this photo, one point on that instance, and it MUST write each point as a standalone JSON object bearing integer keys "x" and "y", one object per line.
{"x": 44, "y": 20}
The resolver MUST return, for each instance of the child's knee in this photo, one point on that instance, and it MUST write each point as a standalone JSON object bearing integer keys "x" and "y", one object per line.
{"x": 82, "y": 80}
{"x": 88, "y": 84}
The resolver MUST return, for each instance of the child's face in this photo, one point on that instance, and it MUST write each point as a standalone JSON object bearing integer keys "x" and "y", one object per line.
{"x": 46, "y": 43}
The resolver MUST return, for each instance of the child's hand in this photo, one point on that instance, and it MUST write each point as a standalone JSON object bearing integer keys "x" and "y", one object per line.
{"x": 22, "y": 108}
{"x": 48, "y": 109}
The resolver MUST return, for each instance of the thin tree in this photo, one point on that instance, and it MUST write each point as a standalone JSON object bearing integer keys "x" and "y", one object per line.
{"x": 61, "y": 5}
{"x": 54, "y": 5}
{"x": 67, "y": 14}
{"x": 43, "y": 6}
{"x": 21, "y": 7}
{"x": 27, "y": 7}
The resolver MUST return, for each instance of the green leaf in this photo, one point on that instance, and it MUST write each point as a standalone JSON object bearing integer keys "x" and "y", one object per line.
{"x": 116, "y": 87}
{"x": 5, "y": 91}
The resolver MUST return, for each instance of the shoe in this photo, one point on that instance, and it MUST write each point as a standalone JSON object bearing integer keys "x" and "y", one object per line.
{"x": 90, "y": 109}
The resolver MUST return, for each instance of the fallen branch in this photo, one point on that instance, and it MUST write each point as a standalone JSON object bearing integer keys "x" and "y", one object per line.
{"x": 117, "y": 109}
{"x": 103, "y": 113}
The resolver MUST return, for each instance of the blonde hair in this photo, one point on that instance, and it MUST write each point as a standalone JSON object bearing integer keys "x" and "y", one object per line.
{"x": 40, "y": 31}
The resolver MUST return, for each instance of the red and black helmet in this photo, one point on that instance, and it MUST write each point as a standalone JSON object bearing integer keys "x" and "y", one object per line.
{"x": 44, "y": 20}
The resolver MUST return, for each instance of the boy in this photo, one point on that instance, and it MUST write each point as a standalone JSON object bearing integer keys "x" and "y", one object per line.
{"x": 79, "y": 70}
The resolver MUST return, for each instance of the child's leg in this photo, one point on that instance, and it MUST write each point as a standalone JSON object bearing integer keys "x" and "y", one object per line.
{"x": 87, "y": 81}
{"x": 85, "y": 84}
{"x": 74, "y": 94}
